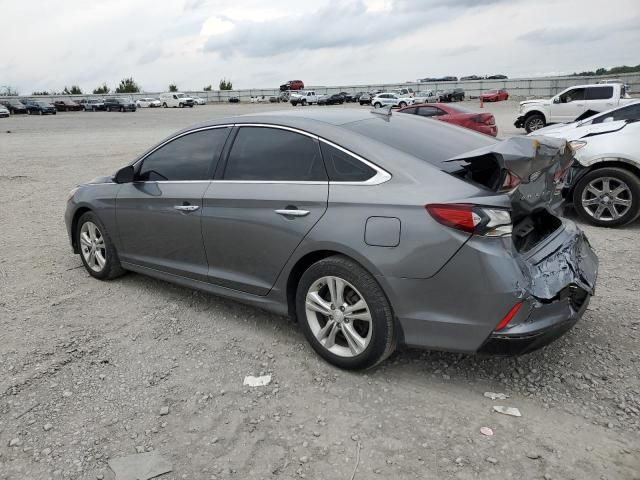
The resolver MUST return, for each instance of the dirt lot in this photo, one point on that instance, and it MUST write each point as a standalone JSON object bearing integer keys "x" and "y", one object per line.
{"x": 87, "y": 366}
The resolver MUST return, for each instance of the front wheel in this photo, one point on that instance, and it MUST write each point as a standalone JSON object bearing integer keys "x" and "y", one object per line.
{"x": 534, "y": 122}
{"x": 164, "y": 105}
{"x": 608, "y": 197}
{"x": 344, "y": 314}
{"x": 402, "y": 104}
{"x": 97, "y": 252}
{"x": 377, "y": 105}
{"x": 304, "y": 103}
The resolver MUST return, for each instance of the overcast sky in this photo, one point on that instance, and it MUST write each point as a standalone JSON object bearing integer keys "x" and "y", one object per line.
{"x": 45, "y": 45}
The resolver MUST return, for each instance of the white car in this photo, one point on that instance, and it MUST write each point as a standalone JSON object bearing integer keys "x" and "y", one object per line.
{"x": 176, "y": 99}
{"x": 604, "y": 183}
{"x": 428, "y": 96}
{"x": 199, "y": 100}
{"x": 570, "y": 104}
{"x": 387, "y": 98}
{"x": 3, "y": 111}
{"x": 148, "y": 103}
{"x": 629, "y": 111}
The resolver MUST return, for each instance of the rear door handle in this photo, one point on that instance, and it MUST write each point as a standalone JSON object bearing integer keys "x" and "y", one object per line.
{"x": 293, "y": 212}
{"x": 187, "y": 208}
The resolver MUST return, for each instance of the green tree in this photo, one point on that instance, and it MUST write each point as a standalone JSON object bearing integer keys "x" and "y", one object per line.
{"x": 101, "y": 90}
{"x": 74, "y": 90}
{"x": 128, "y": 85}
{"x": 226, "y": 84}
{"x": 207, "y": 88}
{"x": 42, "y": 92}
{"x": 173, "y": 87}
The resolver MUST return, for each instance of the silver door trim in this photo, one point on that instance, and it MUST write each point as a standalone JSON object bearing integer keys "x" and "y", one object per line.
{"x": 292, "y": 212}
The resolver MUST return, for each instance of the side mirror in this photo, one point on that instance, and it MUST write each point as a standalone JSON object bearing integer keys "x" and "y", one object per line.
{"x": 556, "y": 99}
{"x": 124, "y": 175}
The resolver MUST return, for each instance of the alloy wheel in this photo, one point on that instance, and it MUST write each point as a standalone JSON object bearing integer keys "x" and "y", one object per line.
{"x": 338, "y": 316}
{"x": 94, "y": 250}
{"x": 536, "y": 124}
{"x": 607, "y": 198}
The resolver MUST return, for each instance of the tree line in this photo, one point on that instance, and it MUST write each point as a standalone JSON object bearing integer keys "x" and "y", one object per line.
{"x": 608, "y": 71}
{"x": 126, "y": 85}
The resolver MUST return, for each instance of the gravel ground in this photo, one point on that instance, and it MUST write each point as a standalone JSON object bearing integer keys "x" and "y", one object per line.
{"x": 92, "y": 370}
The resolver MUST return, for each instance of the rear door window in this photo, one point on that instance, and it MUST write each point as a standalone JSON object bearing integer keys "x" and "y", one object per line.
{"x": 274, "y": 154}
{"x": 599, "y": 93}
{"x": 630, "y": 112}
{"x": 190, "y": 157}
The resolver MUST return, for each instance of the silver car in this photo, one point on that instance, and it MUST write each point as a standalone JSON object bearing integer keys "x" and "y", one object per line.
{"x": 372, "y": 230}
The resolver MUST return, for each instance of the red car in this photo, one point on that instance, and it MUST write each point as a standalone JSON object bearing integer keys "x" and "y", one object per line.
{"x": 292, "y": 85}
{"x": 495, "y": 95}
{"x": 480, "y": 122}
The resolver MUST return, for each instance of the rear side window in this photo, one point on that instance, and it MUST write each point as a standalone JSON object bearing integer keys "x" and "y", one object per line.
{"x": 429, "y": 111}
{"x": 599, "y": 93}
{"x": 273, "y": 154}
{"x": 343, "y": 167}
{"x": 190, "y": 157}
{"x": 410, "y": 110}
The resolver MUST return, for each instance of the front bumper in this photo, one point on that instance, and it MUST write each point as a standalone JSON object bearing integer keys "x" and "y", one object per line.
{"x": 519, "y": 123}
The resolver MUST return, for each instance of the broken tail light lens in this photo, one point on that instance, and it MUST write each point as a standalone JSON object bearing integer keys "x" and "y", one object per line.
{"x": 511, "y": 181}
{"x": 485, "y": 221}
{"x": 508, "y": 317}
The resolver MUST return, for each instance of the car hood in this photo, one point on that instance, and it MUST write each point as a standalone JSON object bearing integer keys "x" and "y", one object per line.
{"x": 539, "y": 162}
{"x": 98, "y": 180}
{"x": 574, "y": 132}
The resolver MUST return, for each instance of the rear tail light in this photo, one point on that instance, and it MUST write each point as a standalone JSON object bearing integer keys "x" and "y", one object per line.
{"x": 488, "y": 222}
{"x": 484, "y": 118}
{"x": 508, "y": 317}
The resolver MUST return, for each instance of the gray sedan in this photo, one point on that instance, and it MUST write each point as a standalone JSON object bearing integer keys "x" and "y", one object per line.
{"x": 370, "y": 229}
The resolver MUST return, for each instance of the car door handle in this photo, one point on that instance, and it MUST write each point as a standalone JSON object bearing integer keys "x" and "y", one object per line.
{"x": 292, "y": 212}
{"x": 187, "y": 208}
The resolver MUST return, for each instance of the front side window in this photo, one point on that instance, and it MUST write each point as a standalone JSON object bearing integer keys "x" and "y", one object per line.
{"x": 343, "y": 167}
{"x": 572, "y": 95}
{"x": 191, "y": 157}
{"x": 599, "y": 93}
{"x": 273, "y": 154}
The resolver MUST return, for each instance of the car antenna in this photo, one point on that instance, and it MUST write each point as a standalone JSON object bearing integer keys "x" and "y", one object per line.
{"x": 386, "y": 111}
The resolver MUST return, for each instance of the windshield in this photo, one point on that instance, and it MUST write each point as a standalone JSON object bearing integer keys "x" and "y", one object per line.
{"x": 180, "y": 95}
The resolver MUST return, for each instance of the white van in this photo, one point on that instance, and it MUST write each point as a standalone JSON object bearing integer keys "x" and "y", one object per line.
{"x": 176, "y": 99}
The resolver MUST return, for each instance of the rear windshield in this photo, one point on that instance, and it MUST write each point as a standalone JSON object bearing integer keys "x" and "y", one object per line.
{"x": 424, "y": 138}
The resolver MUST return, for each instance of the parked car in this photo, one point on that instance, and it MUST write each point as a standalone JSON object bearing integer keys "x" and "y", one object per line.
{"x": 39, "y": 107}
{"x": 630, "y": 111}
{"x": 308, "y": 97}
{"x": 234, "y": 99}
{"x": 395, "y": 100}
{"x": 119, "y": 104}
{"x": 403, "y": 92}
{"x": 92, "y": 104}
{"x": 198, "y": 100}
{"x": 4, "y": 111}
{"x": 497, "y": 77}
{"x": 176, "y": 100}
{"x": 292, "y": 85}
{"x": 429, "y": 96}
{"x": 365, "y": 98}
{"x": 348, "y": 97}
{"x": 13, "y": 105}
{"x": 471, "y": 77}
{"x": 370, "y": 230}
{"x": 604, "y": 183}
{"x": 496, "y": 95}
{"x": 480, "y": 122}
{"x": 454, "y": 95}
{"x": 259, "y": 99}
{"x": 333, "y": 99}
{"x": 440, "y": 79}
{"x": 570, "y": 104}
{"x": 66, "y": 105}
{"x": 148, "y": 102}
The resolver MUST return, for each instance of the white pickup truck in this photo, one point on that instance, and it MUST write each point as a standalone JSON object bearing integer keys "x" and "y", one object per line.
{"x": 303, "y": 98}
{"x": 570, "y": 104}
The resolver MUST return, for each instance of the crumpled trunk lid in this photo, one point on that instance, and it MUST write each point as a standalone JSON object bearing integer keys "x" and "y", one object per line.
{"x": 539, "y": 163}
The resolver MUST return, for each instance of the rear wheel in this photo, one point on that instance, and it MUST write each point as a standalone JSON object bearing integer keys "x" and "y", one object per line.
{"x": 608, "y": 197}
{"x": 164, "y": 105}
{"x": 97, "y": 252}
{"x": 304, "y": 103}
{"x": 377, "y": 105}
{"x": 344, "y": 314}
{"x": 534, "y": 122}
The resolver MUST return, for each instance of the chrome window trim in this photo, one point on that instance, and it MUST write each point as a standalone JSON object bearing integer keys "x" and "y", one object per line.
{"x": 381, "y": 175}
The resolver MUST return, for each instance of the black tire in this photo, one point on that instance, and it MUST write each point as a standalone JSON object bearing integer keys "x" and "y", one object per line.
{"x": 532, "y": 122}
{"x": 619, "y": 175}
{"x": 164, "y": 105}
{"x": 377, "y": 105}
{"x": 93, "y": 109}
{"x": 28, "y": 112}
{"x": 181, "y": 105}
{"x": 111, "y": 268}
{"x": 40, "y": 112}
{"x": 108, "y": 109}
{"x": 304, "y": 103}
{"x": 383, "y": 336}
{"x": 121, "y": 109}
{"x": 402, "y": 104}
